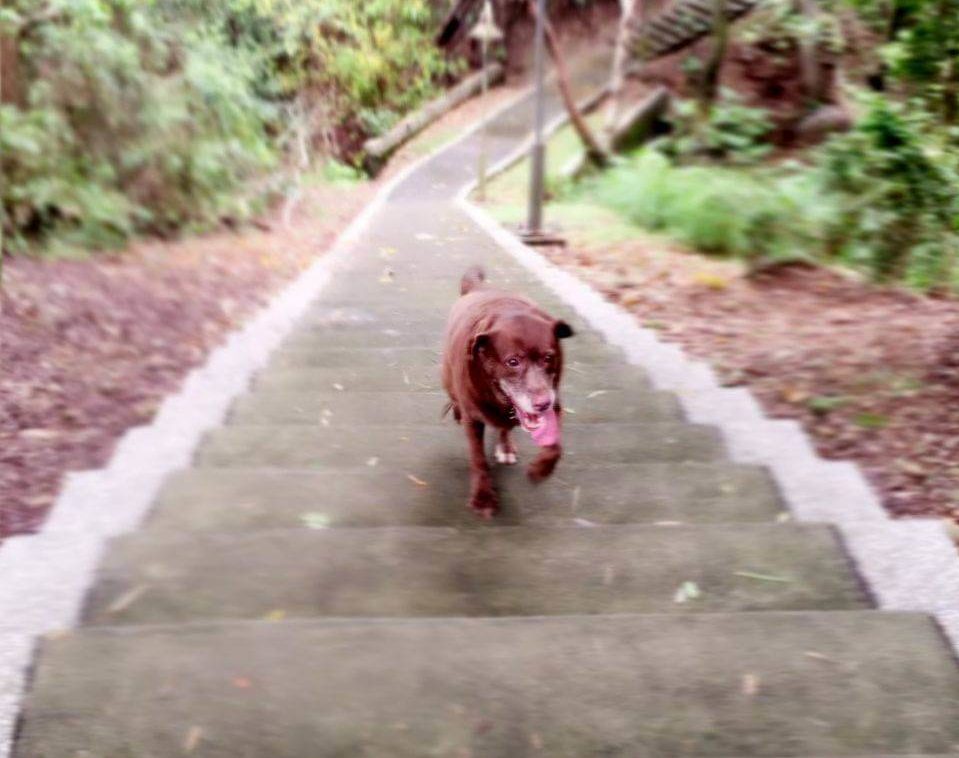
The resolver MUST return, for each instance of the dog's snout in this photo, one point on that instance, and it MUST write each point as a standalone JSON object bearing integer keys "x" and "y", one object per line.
{"x": 542, "y": 403}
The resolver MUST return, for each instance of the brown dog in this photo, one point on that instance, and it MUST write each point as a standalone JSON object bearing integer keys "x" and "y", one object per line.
{"x": 502, "y": 364}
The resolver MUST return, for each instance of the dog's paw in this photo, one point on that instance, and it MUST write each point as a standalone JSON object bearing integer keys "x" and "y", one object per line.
{"x": 505, "y": 455}
{"x": 484, "y": 504}
{"x": 542, "y": 467}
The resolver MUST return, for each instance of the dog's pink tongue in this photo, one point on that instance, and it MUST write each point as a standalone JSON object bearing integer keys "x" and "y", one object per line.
{"x": 548, "y": 431}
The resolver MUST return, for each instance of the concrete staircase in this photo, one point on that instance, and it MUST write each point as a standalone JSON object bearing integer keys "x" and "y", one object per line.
{"x": 680, "y": 25}
{"x": 314, "y": 585}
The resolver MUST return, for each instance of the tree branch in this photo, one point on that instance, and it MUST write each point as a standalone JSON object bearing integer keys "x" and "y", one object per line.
{"x": 594, "y": 150}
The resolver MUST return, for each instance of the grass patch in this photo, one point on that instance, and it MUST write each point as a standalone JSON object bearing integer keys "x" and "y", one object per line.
{"x": 747, "y": 213}
{"x": 739, "y": 212}
{"x": 507, "y": 192}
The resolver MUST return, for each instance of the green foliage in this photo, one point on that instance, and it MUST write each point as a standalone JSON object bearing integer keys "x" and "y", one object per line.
{"x": 923, "y": 48}
{"x": 883, "y": 198}
{"x": 364, "y": 63}
{"x": 125, "y": 126}
{"x": 926, "y": 54}
{"x": 153, "y": 117}
{"x": 733, "y": 132}
{"x": 718, "y": 210}
{"x": 778, "y": 27}
{"x": 823, "y": 405}
{"x": 899, "y": 195}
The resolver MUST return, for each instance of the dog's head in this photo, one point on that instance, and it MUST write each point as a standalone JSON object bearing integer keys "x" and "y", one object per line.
{"x": 521, "y": 357}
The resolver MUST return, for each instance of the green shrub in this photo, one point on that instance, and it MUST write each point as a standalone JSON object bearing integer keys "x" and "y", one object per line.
{"x": 125, "y": 127}
{"x": 361, "y": 65}
{"x": 732, "y": 133}
{"x": 754, "y": 214}
{"x": 154, "y": 117}
{"x": 899, "y": 194}
{"x": 883, "y": 198}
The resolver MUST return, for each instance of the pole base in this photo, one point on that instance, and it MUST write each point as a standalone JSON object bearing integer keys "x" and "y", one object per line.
{"x": 541, "y": 238}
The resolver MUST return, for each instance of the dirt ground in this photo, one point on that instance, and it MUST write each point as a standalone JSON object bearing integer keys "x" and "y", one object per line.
{"x": 90, "y": 347}
{"x": 872, "y": 373}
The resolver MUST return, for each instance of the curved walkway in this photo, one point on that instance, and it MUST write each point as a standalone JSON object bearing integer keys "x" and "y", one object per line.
{"x": 313, "y": 585}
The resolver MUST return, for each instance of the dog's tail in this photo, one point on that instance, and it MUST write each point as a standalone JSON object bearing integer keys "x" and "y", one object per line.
{"x": 472, "y": 280}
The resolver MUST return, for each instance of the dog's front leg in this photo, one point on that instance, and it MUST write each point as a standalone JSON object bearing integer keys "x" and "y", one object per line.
{"x": 482, "y": 496}
{"x": 505, "y": 449}
{"x": 545, "y": 462}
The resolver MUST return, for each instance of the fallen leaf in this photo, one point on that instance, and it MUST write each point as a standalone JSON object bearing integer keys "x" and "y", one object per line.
{"x": 38, "y": 434}
{"x": 277, "y": 615}
{"x": 127, "y": 599}
{"x": 710, "y": 280}
{"x": 242, "y": 683}
{"x": 824, "y": 404}
{"x": 687, "y": 591}
{"x": 750, "y": 684}
{"x": 794, "y": 395}
{"x": 596, "y": 393}
{"x": 315, "y": 520}
{"x": 762, "y": 577}
{"x": 871, "y": 420}
{"x": 417, "y": 481}
{"x": 372, "y": 461}
{"x": 192, "y": 739}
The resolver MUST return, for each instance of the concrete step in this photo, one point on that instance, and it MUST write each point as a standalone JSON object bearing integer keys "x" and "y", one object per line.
{"x": 358, "y": 311}
{"x": 421, "y": 301}
{"x": 388, "y": 274}
{"x": 577, "y": 378}
{"x": 315, "y": 354}
{"x": 390, "y": 282}
{"x": 199, "y": 500}
{"x": 856, "y": 683}
{"x": 422, "y": 447}
{"x": 338, "y": 409}
{"x": 323, "y": 316}
{"x": 507, "y": 571}
{"x": 423, "y": 335}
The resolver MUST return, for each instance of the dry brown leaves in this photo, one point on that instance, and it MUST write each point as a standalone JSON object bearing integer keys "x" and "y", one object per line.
{"x": 872, "y": 373}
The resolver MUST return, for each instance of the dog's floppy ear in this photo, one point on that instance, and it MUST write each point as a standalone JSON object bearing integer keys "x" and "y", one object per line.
{"x": 562, "y": 330}
{"x": 478, "y": 342}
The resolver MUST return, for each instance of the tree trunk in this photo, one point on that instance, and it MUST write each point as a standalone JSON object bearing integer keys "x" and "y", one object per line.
{"x": 709, "y": 83}
{"x": 10, "y": 70}
{"x": 378, "y": 149}
{"x": 617, "y": 76}
{"x": 595, "y": 152}
{"x": 950, "y": 67}
{"x": 950, "y": 91}
{"x": 809, "y": 71}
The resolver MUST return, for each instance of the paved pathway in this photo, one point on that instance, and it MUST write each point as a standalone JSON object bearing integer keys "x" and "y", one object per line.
{"x": 314, "y": 585}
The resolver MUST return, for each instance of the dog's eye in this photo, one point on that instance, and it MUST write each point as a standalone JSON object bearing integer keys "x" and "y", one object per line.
{"x": 512, "y": 362}
{"x": 548, "y": 358}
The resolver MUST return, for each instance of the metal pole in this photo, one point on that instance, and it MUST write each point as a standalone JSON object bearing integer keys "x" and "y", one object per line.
{"x": 481, "y": 189}
{"x": 535, "y": 216}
